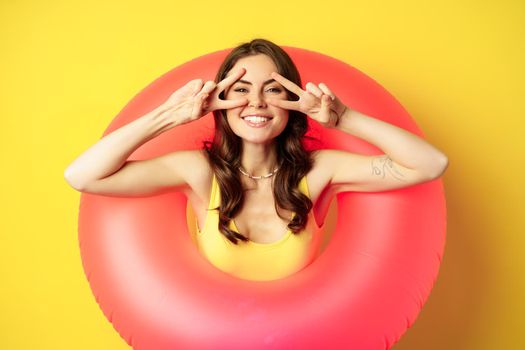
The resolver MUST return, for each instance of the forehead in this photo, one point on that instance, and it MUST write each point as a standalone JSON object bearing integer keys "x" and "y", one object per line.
{"x": 258, "y": 67}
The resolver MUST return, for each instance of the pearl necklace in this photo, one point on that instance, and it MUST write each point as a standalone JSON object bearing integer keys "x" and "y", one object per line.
{"x": 258, "y": 177}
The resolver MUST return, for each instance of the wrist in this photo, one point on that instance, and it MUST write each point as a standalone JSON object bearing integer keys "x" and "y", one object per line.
{"x": 158, "y": 121}
{"x": 344, "y": 115}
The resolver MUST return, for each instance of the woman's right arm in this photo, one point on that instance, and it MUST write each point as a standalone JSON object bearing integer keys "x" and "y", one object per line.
{"x": 104, "y": 169}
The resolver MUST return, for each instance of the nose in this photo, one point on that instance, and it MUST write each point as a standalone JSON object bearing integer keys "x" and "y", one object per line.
{"x": 256, "y": 101}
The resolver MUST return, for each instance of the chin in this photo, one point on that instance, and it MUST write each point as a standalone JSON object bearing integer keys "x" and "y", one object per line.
{"x": 256, "y": 136}
{"x": 257, "y": 140}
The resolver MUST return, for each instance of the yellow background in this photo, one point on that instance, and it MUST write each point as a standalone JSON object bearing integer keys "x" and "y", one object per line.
{"x": 68, "y": 67}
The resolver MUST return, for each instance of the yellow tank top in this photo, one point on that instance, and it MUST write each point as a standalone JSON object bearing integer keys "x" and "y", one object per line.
{"x": 257, "y": 261}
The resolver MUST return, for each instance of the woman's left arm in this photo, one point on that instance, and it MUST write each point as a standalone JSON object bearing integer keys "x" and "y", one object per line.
{"x": 408, "y": 159}
{"x": 401, "y": 146}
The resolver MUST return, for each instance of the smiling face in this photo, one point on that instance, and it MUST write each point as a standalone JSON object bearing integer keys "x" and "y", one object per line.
{"x": 257, "y": 121}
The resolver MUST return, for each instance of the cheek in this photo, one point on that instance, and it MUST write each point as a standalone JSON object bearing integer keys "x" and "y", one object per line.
{"x": 282, "y": 112}
{"x": 234, "y": 112}
{"x": 230, "y": 94}
{"x": 233, "y": 118}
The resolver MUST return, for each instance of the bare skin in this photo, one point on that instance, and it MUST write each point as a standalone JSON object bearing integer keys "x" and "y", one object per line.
{"x": 407, "y": 159}
{"x": 257, "y": 220}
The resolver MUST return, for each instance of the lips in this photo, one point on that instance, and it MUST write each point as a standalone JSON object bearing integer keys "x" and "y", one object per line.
{"x": 257, "y": 115}
{"x": 257, "y": 120}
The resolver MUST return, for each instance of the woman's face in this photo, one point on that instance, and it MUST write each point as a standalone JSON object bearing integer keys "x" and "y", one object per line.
{"x": 256, "y": 85}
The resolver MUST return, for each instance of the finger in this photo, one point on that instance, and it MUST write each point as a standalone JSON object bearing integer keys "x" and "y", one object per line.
{"x": 311, "y": 87}
{"x": 287, "y": 84}
{"x": 326, "y": 90}
{"x": 200, "y": 105}
{"x": 293, "y": 105}
{"x": 208, "y": 87}
{"x": 228, "y": 104}
{"x": 326, "y": 102}
{"x": 229, "y": 80}
{"x": 195, "y": 85}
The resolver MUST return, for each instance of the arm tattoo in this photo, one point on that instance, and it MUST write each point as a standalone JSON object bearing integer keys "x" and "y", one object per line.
{"x": 384, "y": 165}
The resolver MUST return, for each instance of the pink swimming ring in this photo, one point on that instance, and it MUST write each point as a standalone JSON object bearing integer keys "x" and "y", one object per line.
{"x": 363, "y": 292}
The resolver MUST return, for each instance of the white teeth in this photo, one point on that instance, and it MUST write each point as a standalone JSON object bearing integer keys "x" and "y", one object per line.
{"x": 256, "y": 119}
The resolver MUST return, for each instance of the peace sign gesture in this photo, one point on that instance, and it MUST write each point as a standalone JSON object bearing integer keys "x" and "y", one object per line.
{"x": 198, "y": 98}
{"x": 319, "y": 102}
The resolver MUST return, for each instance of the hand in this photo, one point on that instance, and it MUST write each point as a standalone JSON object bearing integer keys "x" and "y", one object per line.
{"x": 317, "y": 101}
{"x": 195, "y": 99}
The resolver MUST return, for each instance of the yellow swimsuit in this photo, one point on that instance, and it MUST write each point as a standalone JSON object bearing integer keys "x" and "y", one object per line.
{"x": 257, "y": 261}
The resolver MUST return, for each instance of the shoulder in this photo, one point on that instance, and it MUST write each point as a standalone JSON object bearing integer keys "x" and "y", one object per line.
{"x": 319, "y": 177}
{"x": 329, "y": 160}
{"x": 195, "y": 168}
{"x": 188, "y": 162}
{"x": 325, "y": 161}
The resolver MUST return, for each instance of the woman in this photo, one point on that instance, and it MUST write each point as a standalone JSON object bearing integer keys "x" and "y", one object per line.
{"x": 271, "y": 194}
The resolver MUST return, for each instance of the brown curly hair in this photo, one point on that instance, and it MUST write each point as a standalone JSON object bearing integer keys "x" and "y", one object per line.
{"x": 293, "y": 159}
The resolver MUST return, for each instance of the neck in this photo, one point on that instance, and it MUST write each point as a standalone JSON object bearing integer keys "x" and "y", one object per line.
{"x": 259, "y": 159}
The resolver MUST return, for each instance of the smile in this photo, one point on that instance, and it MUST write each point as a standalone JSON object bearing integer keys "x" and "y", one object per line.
{"x": 257, "y": 121}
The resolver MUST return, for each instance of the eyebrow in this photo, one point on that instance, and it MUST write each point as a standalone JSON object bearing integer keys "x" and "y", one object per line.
{"x": 247, "y": 82}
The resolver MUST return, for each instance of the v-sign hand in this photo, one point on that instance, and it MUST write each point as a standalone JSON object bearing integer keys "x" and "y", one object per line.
{"x": 318, "y": 102}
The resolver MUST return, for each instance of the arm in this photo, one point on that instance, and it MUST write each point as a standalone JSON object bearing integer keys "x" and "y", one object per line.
{"x": 408, "y": 159}
{"x": 103, "y": 167}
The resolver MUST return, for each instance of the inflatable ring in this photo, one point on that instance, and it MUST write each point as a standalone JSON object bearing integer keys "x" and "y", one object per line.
{"x": 363, "y": 292}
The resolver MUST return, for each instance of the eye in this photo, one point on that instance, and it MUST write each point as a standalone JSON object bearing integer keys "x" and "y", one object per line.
{"x": 275, "y": 89}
